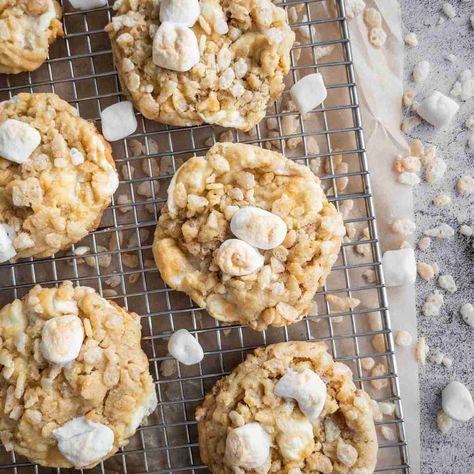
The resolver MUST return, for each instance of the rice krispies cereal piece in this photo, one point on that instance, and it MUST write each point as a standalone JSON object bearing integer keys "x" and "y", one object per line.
{"x": 254, "y": 53}
{"x": 202, "y": 197}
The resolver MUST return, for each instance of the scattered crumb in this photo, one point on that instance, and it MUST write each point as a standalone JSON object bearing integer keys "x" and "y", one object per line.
{"x": 425, "y": 270}
{"x": 130, "y": 260}
{"x": 354, "y": 8}
{"x": 466, "y": 230}
{"x": 387, "y": 408}
{"x": 441, "y": 200}
{"x": 124, "y": 199}
{"x": 447, "y": 283}
{"x": 341, "y": 303}
{"x": 372, "y": 18}
{"x": 410, "y": 179}
{"x": 435, "y": 170}
{"x": 411, "y": 40}
{"x": 467, "y": 313}
{"x": 452, "y": 58}
{"x": 378, "y": 343}
{"x": 378, "y": 371}
{"x": 377, "y": 36}
{"x": 403, "y": 338}
{"x": 465, "y": 185}
{"x": 421, "y": 71}
{"x": 449, "y": 10}
{"x": 369, "y": 276}
{"x": 403, "y": 227}
{"x": 443, "y": 422}
{"x": 447, "y": 362}
{"x": 168, "y": 367}
{"x": 409, "y": 123}
{"x": 367, "y": 363}
{"x": 388, "y": 433}
{"x": 408, "y": 98}
{"x": 421, "y": 350}
{"x": 433, "y": 303}
{"x": 424, "y": 243}
{"x": 443, "y": 231}
{"x": 113, "y": 281}
{"x": 375, "y": 322}
{"x": 109, "y": 293}
{"x": 469, "y": 123}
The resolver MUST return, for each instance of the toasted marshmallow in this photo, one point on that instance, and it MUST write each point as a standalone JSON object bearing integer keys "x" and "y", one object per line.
{"x": 185, "y": 348}
{"x": 87, "y": 4}
{"x": 306, "y": 388}
{"x": 83, "y": 442}
{"x": 237, "y": 258}
{"x": 247, "y": 446}
{"x": 437, "y": 109}
{"x": 295, "y": 438}
{"x": 456, "y": 401}
{"x": 118, "y": 121}
{"x": 175, "y": 47}
{"x": 7, "y": 251}
{"x": 18, "y": 140}
{"x": 61, "y": 339}
{"x": 185, "y": 12}
{"x": 309, "y": 92}
{"x": 258, "y": 227}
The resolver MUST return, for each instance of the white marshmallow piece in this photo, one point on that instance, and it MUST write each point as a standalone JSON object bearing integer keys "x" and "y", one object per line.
{"x": 185, "y": 348}
{"x": 7, "y": 251}
{"x": 175, "y": 47}
{"x": 399, "y": 267}
{"x": 61, "y": 339}
{"x": 83, "y": 442}
{"x": 237, "y": 258}
{"x": 295, "y": 438}
{"x": 306, "y": 388}
{"x": 437, "y": 109}
{"x": 456, "y": 401}
{"x": 146, "y": 408}
{"x": 118, "y": 121}
{"x": 258, "y": 227}
{"x": 87, "y": 4}
{"x": 247, "y": 446}
{"x": 185, "y": 12}
{"x": 309, "y": 92}
{"x": 18, "y": 140}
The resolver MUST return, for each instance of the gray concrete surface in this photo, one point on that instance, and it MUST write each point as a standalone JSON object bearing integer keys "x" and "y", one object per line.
{"x": 452, "y": 452}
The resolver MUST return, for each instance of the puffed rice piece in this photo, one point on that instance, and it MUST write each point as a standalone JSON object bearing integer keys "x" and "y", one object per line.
{"x": 443, "y": 231}
{"x": 466, "y": 230}
{"x": 403, "y": 227}
{"x": 411, "y": 40}
{"x": 441, "y": 200}
{"x": 425, "y": 270}
{"x": 433, "y": 303}
{"x": 443, "y": 422}
{"x": 421, "y": 350}
{"x": 424, "y": 243}
{"x": 372, "y": 18}
{"x": 377, "y": 37}
{"x": 465, "y": 185}
{"x": 467, "y": 313}
{"x": 403, "y": 338}
{"x": 447, "y": 283}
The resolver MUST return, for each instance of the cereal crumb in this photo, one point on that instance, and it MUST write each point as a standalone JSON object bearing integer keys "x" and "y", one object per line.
{"x": 447, "y": 283}
{"x": 388, "y": 433}
{"x": 411, "y": 39}
{"x": 403, "y": 338}
{"x": 466, "y": 230}
{"x": 372, "y": 18}
{"x": 403, "y": 226}
{"x": 377, "y": 36}
{"x": 467, "y": 313}
{"x": 443, "y": 231}
{"x": 465, "y": 185}
{"x": 443, "y": 422}
{"x": 433, "y": 303}
{"x": 449, "y": 10}
{"x": 367, "y": 363}
{"x": 378, "y": 371}
{"x": 424, "y": 243}
{"x": 421, "y": 350}
{"x": 410, "y": 179}
{"x": 425, "y": 270}
{"x": 441, "y": 200}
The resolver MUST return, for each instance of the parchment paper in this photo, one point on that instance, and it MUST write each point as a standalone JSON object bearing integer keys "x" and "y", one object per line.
{"x": 380, "y": 86}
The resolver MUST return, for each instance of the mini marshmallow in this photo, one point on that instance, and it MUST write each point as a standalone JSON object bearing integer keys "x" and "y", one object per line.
{"x": 77, "y": 158}
{"x": 87, "y": 4}
{"x": 237, "y": 258}
{"x": 421, "y": 71}
{"x": 309, "y": 92}
{"x": 247, "y": 446}
{"x": 258, "y": 227}
{"x": 83, "y": 442}
{"x": 399, "y": 267}
{"x": 437, "y": 109}
{"x": 306, "y": 388}
{"x": 295, "y": 438}
{"x": 118, "y": 121}
{"x": 457, "y": 402}
{"x": 467, "y": 314}
{"x": 185, "y": 348}
{"x": 185, "y": 12}
{"x": 61, "y": 339}
{"x": 18, "y": 140}
{"x": 7, "y": 251}
{"x": 175, "y": 47}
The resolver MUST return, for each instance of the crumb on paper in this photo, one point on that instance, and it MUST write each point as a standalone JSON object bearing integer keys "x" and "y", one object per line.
{"x": 411, "y": 40}
{"x": 421, "y": 350}
{"x": 377, "y": 36}
{"x": 441, "y": 200}
{"x": 466, "y": 230}
{"x": 465, "y": 185}
{"x": 443, "y": 231}
{"x": 449, "y": 10}
{"x": 367, "y": 363}
{"x": 425, "y": 271}
{"x": 433, "y": 304}
{"x": 403, "y": 227}
{"x": 443, "y": 422}
{"x": 421, "y": 71}
{"x": 447, "y": 283}
{"x": 372, "y": 18}
{"x": 424, "y": 243}
{"x": 378, "y": 371}
{"x": 403, "y": 338}
{"x": 408, "y": 98}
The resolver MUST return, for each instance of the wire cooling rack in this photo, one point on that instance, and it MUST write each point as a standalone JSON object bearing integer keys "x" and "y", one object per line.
{"x": 117, "y": 258}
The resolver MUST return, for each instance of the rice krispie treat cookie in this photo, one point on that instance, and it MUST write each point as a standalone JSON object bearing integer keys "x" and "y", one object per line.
{"x": 74, "y": 380}
{"x": 247, "y": 234}
{"x": 57, "y": 175}
{"x": 289, "y": 408}
{"x": 27, "y": 28}
{"x": 185, "y": 62}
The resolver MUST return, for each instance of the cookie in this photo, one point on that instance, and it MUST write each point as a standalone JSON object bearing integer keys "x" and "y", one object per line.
{"x": 247, "y": 234}
{"x": 27, "y": 28}
{"x": 215, "y": 61}
{"x": 57, "y": 176}
{"x": 75, "y": 381}
{"x": 288, "y": 408}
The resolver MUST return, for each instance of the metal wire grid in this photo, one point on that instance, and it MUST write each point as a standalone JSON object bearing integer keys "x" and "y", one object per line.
{"x": 80, "y": 70}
